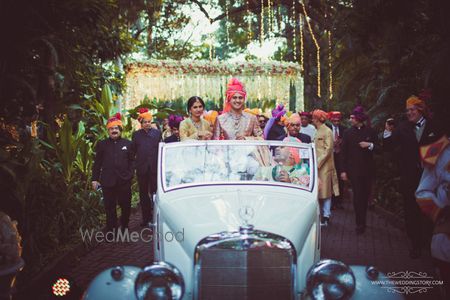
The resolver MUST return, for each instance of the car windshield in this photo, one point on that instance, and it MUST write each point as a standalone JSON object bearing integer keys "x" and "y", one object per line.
{"x": 237, "y": 162}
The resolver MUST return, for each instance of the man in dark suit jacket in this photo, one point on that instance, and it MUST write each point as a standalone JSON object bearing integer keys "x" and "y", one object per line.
{"x": 113, "y": 171}
{"x": 293, "y": 127}
{"x": 406, "y": 139}
{"x": 357, "y": 164}
{"x": 145, "y": 146}
{"x": 338, "y": 133}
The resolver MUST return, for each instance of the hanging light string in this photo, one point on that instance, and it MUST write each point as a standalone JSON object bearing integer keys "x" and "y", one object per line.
{"x": 270, "y": 10}
{"x": 317, "y": 47}
{"x": 294, "y": 25}
{"x": 261, "y": 37}
{"x": 210, "y": 37}
{"x": 330, "y": 65}
{"x": 268, "y": 19}
{"x": 330, "y": 74}
{"x": 227, "y": 21}
{"x": 300, "y": 21}
{"x": 210, "y": 47}
{"x": 279, "y": 17}
{"x": 249, "y": 22}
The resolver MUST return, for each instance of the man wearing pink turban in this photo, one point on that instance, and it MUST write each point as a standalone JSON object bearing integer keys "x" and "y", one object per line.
{"x": 234, "y": 123}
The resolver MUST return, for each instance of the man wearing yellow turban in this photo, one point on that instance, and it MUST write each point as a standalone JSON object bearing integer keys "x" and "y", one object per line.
{"x": 113, "y": 171}
{"x": 406, "y": 139}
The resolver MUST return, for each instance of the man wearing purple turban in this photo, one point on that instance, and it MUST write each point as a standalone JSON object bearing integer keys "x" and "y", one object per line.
{"x": 358, "y": 165}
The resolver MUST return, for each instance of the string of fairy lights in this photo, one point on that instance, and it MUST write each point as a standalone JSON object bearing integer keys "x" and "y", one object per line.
{"x": 227, "y": 22}
{"x": 316, "y": 43}
{"x": 261, "y": 36}
{"x": 298, "y": 20}
{"x": 249, "y": 22}
{"x": 294, "y": 25}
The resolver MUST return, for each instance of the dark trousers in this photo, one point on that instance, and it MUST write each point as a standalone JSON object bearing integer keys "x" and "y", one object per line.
{"x": 147, "y": 187}
{"x": 361, "y": 186}
{"x": 337, "y": 200}
{"x": 121, "y": 195}
{"x": 413, "y": 218}
{"x": 418, "y": 228}
{"x": 444, "y": 274}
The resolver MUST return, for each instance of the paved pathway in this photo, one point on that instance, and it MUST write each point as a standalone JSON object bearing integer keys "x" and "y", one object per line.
{"x": 382, "y": 245}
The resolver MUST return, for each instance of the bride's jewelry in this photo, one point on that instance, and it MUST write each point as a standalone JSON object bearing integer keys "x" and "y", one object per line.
{"x": 197, "y": 125}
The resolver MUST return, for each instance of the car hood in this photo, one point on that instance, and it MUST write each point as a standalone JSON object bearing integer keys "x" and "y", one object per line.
{"x": 288, "y": 212}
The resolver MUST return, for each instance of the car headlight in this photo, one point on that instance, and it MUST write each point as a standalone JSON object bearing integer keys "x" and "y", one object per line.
{"x": 161, "y": 280}
{"x": 330, "y": 279}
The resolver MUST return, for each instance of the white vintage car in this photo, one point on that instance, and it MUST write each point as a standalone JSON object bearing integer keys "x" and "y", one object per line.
{"x": 238, "y": 220}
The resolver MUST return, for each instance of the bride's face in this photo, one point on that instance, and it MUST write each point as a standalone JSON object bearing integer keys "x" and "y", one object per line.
{"x": 197, "y": 109}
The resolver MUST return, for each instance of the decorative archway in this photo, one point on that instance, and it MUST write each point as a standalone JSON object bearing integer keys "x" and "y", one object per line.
{"x": 167, "y": 80}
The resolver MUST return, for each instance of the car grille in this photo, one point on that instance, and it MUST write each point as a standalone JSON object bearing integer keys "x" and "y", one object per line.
{"x": 264, "y": 272}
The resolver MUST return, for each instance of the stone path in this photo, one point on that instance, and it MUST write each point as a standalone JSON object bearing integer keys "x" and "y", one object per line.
{"x": 382, "y": 245}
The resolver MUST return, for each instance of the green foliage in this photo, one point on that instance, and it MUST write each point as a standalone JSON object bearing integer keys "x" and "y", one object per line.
{"x": 387, "y": 50}
{"x": 160, "y": 109}
{"x": 84, "y": 159}
{"x": 48, "y": 208}
{"x": 65, "y": 146}
{"x": 63, "y": 52}
{"x": 165, "y": 36}
{"x": 387, "y": 185}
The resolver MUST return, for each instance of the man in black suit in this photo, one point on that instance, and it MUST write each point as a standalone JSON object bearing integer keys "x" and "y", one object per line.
{"x": 406, "y": 139}
{"x": 113, "y": 171}
{"x": 338, "y": 132}
{"x": 145, "y": 146}
{"x": 293, "y": 126}
{"x": 357, "y": 164}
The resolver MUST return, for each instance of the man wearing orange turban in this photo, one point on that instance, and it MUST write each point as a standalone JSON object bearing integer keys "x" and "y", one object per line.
{"x": 144, "y": 114}
{"x": 338, "y": 133}
{"x": 406, "y": 139}
{"x": 323, "y": 140}
{"x": 113, "y": 171}
{"x": 145, "y": 146}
